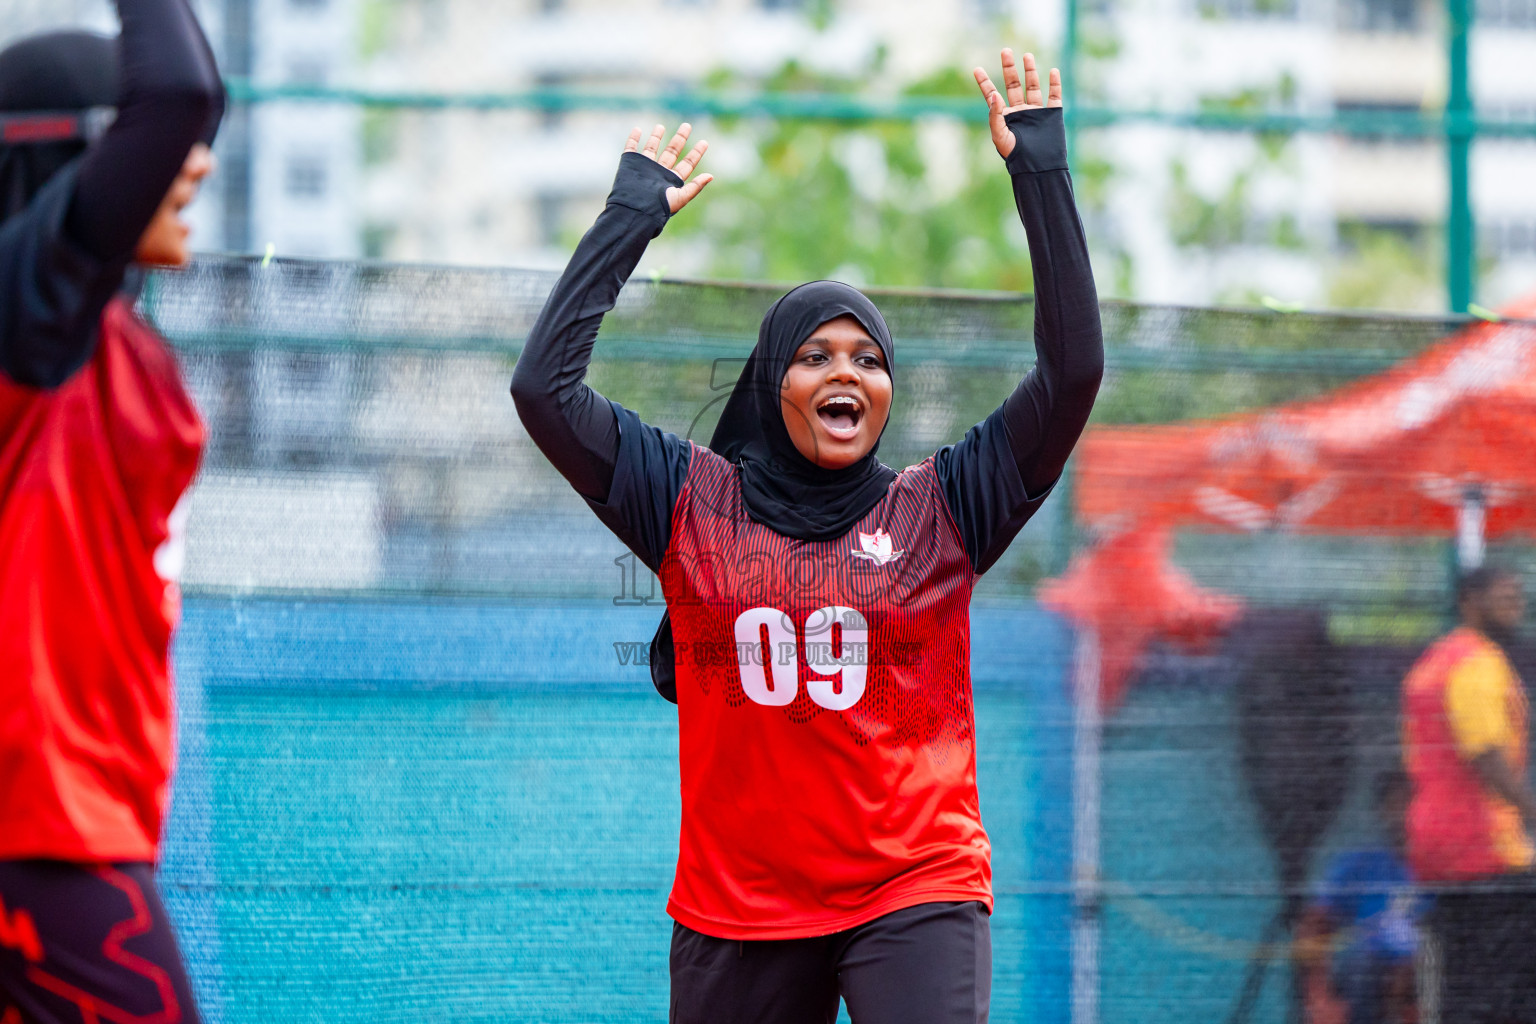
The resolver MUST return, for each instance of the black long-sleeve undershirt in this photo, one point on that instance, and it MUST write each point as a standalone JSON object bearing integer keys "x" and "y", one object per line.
{"x": 1035, "y": 428}
{"x": 573, "y": 425}
{"x": 64, "y": 256}
{"x": 1046, "y": 413}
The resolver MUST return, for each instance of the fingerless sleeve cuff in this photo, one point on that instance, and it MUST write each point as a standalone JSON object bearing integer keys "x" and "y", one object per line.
{"x": 1040, "y": 140}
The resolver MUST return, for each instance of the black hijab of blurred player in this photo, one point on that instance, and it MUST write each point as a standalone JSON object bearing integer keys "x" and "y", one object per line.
{"x": 57, "y": 73}
{"x": 113, "y": 115}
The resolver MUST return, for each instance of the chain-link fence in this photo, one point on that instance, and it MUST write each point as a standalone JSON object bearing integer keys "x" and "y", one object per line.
{"x": 423, "y": 773}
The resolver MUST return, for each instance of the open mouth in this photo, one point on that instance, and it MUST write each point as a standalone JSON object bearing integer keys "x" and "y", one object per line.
{"x": 841, "y": 414}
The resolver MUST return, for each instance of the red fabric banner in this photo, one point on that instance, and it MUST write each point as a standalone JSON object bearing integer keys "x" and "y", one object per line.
{"x": 1393, "y": 454}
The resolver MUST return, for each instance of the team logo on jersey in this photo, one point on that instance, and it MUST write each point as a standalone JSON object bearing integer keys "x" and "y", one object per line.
{"x": 877, "y": 547}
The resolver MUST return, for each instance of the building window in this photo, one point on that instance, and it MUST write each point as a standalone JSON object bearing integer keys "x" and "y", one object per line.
{"x": 1509, "y": 110}
{"x": 234, "y": 178}
{"x": 306, "y": 177}
{"x": 551, "y": 118}
{"x": 1388, "y": 114}
{"x": 308, "y": 71}
{"x": 238, "y": 36}
{"x": 1354, "y": 235}
{"x": 377, "y": 240}
{"x": 434, "y": 18}
{"x": 1380, "y": 15}
{"x": 1506, "y": 13}
{"x": 1513, "y": 238}
{"x": 548, "y": 215}
{"x": 1249, "y": 10}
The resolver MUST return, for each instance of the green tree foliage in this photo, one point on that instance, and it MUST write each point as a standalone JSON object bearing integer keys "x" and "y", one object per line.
{"x": 1198, "y": 220}
{"x": 904, "y": 205}
{"x": 1381, "y": 268}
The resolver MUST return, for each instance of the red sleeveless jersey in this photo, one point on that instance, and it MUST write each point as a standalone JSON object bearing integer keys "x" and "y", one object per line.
{"x": 824, "y": 703}
{"x": 91, "y": 474}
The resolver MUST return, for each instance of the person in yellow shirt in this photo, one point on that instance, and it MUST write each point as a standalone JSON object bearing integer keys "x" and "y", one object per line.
{"x": 1465, "y": 740}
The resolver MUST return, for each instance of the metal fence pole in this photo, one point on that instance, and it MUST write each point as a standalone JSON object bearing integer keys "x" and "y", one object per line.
{"x": 1069, "y": 91}
{"x": 1087, "y": 801}
{"x": 1064, "y": 535}
{"x": 1460, "y": 228}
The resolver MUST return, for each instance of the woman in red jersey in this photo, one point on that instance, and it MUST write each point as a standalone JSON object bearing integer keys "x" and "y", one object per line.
{"x": 817, "y": 636}
{"x": 102, "y": 143}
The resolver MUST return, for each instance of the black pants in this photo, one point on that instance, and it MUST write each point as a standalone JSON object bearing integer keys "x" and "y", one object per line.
{"x": 929, "y": 964}
{"x": 1487, "y": 937}
{"x": 88, "y": 944}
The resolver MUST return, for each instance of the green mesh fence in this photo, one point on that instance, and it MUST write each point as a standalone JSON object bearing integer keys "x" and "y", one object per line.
{"x": 423, "y": 774}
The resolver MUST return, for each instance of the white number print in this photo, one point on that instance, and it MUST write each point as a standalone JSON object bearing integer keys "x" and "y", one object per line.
{"x": 845, "y": 632}
{"x": 171, "y": 556}
{"x": 761, "y": 633}
{"x": 836, "y": 651}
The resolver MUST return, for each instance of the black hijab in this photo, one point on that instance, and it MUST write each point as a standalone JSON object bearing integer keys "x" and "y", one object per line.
{"x": 53, "y": 72}
{"x": 781, "y": 488}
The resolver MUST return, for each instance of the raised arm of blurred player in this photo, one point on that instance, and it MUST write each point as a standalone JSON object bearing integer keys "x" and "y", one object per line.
{"x": 64, "y": 256}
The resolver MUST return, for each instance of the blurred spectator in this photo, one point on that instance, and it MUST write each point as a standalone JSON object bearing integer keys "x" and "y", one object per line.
{"x": 1357, "y": 942}
{"x": 1465, "y": 737}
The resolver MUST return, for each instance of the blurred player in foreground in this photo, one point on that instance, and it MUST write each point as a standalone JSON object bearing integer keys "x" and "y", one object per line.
{"x": 98, "y": 442}
{"x": 1465, "y": 738}
{"x": 817, "y": 634}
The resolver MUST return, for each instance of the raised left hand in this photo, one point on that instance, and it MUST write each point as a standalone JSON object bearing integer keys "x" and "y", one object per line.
{"x": 677, "y": 197}
{"x": 1022, "y": 95}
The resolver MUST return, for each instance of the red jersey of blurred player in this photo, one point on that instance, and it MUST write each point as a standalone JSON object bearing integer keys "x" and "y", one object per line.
{"x": 91, "y": 477}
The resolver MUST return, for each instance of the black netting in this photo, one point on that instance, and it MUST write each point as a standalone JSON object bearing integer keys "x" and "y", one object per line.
{"x": 423, "y": 773}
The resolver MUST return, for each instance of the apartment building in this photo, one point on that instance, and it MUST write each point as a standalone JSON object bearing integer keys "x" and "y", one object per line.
{"x": 24, "y": 17}
{"x": 1306, "y": 206}
{"x": 289, "y": 174}
{"x": 290, "y": 171}
{"x": 493, "y": 187}
{"x": 1193, "y": 217}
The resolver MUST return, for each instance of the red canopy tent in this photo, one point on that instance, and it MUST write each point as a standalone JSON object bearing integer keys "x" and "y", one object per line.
{"x": 1447, "y": 434}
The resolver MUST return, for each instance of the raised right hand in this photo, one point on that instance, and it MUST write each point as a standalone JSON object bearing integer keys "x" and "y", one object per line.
{"x": 1022, "y": 95}
{"x": 677, "y": 198}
